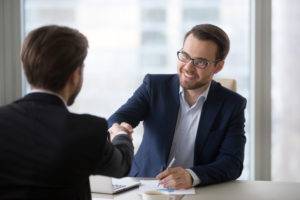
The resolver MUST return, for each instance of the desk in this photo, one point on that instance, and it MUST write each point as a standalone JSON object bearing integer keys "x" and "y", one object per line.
{"x": 235, "y": 190}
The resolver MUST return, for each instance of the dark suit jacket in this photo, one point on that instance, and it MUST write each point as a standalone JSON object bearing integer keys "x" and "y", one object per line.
{"x": 47, "y": 152}
{"x": 220, "y": 140}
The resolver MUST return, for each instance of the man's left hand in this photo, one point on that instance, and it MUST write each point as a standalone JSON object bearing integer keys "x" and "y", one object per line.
{"x": 175, "y": 178}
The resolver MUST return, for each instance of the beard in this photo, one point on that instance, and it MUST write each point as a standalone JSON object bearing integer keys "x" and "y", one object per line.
{"x": 73, "y": 96}
{"x": 193, "y": 84}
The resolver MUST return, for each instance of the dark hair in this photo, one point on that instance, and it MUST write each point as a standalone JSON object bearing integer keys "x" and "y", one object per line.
{"x": 214, "y": 34}
{"x": 50, "y": 54}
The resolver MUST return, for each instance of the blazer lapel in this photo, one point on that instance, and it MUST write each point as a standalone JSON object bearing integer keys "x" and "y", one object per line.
{"x": 209, "y": 112}
{"x": 172, "y": 98}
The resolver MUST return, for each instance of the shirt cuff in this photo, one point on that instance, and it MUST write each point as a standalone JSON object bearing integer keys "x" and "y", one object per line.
{"x": 122, "y": 133}
{"x": 196, "y": 179}
{"x": 119, "y": 133}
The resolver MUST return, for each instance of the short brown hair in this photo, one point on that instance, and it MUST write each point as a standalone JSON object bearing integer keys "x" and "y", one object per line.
{"x": 214, "y": 34}
{"x": 50, "y": 54}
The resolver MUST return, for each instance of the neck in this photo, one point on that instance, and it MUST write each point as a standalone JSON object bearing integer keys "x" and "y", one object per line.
{"x": 191, "y": 96}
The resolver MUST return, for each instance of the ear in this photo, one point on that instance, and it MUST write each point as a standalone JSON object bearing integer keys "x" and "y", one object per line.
{"x": 219, "y": 66}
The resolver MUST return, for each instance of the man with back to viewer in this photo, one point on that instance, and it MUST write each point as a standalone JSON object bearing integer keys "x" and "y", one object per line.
{"x": 188, "y": 117}
{"x": 47, "y": 152}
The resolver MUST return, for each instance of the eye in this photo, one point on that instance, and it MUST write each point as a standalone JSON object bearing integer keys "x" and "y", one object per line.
{"x": 183, "y": 56}
{"x": 200, "y": 62}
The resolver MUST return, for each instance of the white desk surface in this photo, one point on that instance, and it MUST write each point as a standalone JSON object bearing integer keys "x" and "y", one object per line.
{"x": 234, "y": 190}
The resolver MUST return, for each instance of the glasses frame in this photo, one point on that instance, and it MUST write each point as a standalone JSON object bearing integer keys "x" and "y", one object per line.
{"x": 207, "y": 62}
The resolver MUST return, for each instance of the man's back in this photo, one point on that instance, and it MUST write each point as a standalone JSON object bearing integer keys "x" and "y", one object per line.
{"x": 47, "y": 152}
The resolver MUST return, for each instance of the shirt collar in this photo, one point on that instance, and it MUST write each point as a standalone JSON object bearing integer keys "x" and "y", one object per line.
{"x": 41, "y": 90}
{"x": 204, "y": 94}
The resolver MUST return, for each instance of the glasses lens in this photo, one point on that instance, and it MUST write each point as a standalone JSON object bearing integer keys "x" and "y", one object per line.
{"x": 183, "y": 57}
{"x": 200, "y": 63}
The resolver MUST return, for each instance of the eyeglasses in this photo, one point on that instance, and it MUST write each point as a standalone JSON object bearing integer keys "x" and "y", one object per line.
{"x": 201, "y": 63}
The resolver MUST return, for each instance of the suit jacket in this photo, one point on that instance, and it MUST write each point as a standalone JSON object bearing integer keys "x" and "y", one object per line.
{"x": 220, "y": 140}
{"x": 47, "y": 152}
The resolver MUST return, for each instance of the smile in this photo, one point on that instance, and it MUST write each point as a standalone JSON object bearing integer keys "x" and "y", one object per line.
{"x": 189, "y": 76}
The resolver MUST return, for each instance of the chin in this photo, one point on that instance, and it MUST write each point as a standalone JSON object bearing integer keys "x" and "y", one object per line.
{"x": 188, "y": 85}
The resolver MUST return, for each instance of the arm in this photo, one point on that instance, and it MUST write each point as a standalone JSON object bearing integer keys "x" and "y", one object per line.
{"x": 117, "y": 157}
{"x": 136, "y": 108}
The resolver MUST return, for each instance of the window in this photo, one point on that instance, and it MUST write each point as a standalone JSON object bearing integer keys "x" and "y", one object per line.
{"x": 129, "y": 38}
{"x": 285, "y": 95}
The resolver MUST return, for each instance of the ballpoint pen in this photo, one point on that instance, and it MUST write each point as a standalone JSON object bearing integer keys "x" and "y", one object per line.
{"x": 171, "y": 163}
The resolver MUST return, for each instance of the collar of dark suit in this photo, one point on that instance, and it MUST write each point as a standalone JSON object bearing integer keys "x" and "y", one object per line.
{"x": 215, "y": 92}
{"x": 41, "y": 97}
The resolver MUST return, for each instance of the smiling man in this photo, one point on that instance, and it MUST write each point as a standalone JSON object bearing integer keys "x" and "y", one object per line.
{"x": 192, "y": 124}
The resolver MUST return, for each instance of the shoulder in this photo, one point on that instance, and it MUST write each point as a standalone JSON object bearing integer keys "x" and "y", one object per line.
{"x": 87, "y": 124}
{"x": 228, "y": 95}
{"x": 12, "y": 110}
{"x": 5, "y": 108}
{"x": 87, "y": 119}
{"x": 160, "y": 78}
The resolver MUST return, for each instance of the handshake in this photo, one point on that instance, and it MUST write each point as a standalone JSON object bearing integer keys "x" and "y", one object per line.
{"x": 119, "y": 129}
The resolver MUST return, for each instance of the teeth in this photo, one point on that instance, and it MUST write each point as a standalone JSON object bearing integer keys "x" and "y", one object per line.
{"x": 188, "y": 75}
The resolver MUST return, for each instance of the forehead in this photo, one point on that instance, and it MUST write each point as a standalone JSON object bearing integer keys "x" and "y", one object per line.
{"x": 200, "y": 48}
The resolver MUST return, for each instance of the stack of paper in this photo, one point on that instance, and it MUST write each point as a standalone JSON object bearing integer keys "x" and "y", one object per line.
{"x": 152, "y": 185}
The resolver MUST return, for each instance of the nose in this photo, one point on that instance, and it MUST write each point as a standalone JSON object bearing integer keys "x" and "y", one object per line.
{"x": 189, "y": 66}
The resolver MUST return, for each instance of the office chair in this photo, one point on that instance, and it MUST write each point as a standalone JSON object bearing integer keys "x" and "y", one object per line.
{"x": 228, "y": 83}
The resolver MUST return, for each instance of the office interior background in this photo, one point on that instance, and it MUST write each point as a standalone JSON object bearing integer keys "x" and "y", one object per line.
{"x": 130, "y": 38}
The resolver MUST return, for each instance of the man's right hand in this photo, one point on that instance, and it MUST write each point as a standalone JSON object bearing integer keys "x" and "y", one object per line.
{"x": 119, "y": 129}
{"x": 127, "y": 126}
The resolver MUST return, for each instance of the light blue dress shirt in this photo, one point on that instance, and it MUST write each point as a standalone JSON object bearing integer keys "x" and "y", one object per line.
{"x": 185, "y": 133}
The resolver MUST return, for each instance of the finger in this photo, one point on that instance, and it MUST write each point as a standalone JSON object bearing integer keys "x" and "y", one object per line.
{"x": 111, "y": 129}
{"x": 173, "y": 184}
{"x": 165, "y": 173}
{"x": 172, "y": 176}
{"x": 177, "y": 184}
{"x": 127, "y": 126}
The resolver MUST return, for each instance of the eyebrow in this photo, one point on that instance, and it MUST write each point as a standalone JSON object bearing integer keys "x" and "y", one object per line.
{"x": 201, "y": 58}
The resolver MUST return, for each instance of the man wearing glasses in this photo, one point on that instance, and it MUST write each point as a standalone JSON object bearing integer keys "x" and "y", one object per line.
{"x": 193, "y": 127}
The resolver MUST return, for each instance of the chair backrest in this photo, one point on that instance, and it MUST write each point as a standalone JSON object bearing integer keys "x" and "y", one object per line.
{"x": 228, "y": 83}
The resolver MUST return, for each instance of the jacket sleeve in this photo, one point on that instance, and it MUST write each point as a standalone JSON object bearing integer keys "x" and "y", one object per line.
{"x": 229, "y": 162}
{"x": 116, "y": 158}
{"x": 136, "y": 108}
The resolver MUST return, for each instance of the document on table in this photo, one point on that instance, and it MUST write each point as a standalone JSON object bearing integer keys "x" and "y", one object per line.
{"x": 152, "y": 185}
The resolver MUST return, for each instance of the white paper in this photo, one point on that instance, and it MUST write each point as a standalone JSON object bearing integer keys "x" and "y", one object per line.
{"x": 152, "y": 185}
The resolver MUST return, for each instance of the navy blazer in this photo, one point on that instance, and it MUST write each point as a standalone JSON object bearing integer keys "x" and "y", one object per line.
{"x": 220, "y": 139}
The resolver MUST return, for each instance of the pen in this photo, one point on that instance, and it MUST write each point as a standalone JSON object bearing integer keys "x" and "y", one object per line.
{"x": 171, "y": 163}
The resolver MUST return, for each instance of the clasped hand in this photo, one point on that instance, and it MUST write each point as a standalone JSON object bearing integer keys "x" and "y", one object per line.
{"x": 117, "y": 129}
